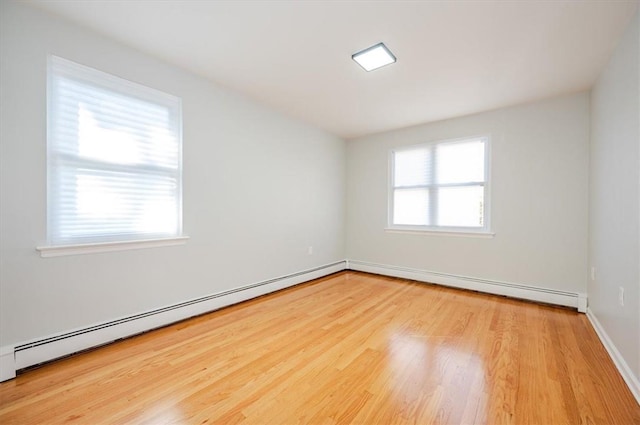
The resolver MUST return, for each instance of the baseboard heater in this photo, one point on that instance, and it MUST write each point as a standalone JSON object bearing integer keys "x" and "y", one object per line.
{"x": 43, "y": 350}
{"x": 512, "y": 290}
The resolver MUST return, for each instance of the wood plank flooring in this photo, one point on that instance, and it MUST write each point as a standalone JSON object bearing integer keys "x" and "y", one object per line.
{"x": 351, "y": 348}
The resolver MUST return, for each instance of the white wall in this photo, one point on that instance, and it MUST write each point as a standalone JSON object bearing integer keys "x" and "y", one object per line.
{"x": 539, "y": 165}
{"x": 259, "y": 188}
{"x": 614, "y": 227}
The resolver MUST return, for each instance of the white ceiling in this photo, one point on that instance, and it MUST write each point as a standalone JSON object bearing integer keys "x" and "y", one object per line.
{"x": 454, "y": 57}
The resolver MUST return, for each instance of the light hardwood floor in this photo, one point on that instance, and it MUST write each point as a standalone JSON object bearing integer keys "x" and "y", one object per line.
{"x": 349, "y": 348}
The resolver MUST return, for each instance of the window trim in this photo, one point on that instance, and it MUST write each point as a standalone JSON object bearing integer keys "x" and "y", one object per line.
{"x": 97, "y": 247}
{"x": 134, "y": 89}
{"x": 482, "y": 232}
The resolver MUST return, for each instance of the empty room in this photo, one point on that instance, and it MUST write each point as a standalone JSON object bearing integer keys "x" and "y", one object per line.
{"x": 319, "y": 212}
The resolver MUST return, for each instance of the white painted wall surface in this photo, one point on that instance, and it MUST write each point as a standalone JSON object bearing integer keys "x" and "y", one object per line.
{"x": 539, "y": 179}
{"x": 259, "y": 189}
{"x": 614, "y": 222}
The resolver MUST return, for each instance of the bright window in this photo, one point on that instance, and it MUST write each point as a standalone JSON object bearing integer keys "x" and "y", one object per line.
{"x": 114, "y": 158}
{"x": 441, "y": 186}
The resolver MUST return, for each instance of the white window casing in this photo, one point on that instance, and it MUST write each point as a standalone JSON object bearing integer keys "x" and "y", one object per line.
{"x": 441, "y": 187}
{"x": 114, "y": 160}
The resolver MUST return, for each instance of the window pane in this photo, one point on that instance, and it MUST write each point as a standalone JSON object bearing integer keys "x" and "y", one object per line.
{"x": 411, "y": 168}
{"x": 105, "y": 135}
{"x": 461, "y": 206}
{"x": 460, "y": 162}
{"x": 98, "y": 124}
{"x": 411, "y": 207}
{"x": 120, "y": 204}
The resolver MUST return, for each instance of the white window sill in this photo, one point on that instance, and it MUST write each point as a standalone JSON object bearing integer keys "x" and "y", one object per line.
{"x": 92, "y": 248}
{"x": 462, "y": 234}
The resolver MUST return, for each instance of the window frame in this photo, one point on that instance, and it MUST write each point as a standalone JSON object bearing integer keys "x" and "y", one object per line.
{"x": 484, "y": 231}
{"x": 100, "y": 79}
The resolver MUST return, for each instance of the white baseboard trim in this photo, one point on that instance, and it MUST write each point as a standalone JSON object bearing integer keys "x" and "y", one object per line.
{"x": 38, "y": 351}
{"x": 623, "y": 367}
{"x": 545, "y": 295}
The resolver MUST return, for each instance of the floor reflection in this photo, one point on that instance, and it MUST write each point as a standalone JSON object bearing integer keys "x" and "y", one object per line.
{"x": 163, "y": 413}
{"x": 427, "y": 373}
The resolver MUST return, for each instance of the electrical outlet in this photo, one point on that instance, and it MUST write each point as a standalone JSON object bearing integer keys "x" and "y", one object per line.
{"x": 593, "y": 273}
{"x": 621, "y": 296}
{"x": 310, "y": 250}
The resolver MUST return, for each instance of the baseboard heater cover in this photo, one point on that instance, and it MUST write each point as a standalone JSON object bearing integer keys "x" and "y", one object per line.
{"x": 513, "y": 290}
{"x": 56, "y": 346}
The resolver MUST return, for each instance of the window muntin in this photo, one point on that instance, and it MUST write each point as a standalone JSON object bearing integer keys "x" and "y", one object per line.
{"x": 441, "y": 186}
{"x": 114, "y": 158}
